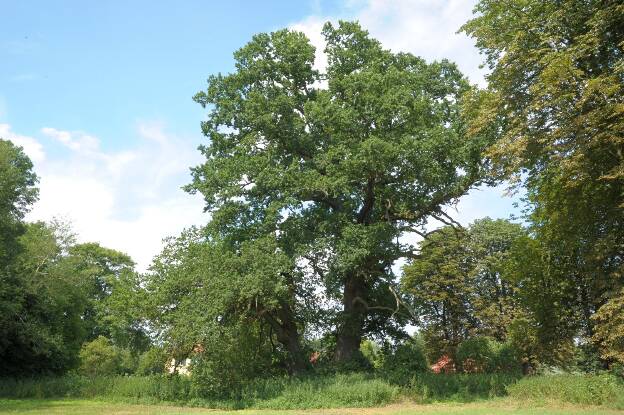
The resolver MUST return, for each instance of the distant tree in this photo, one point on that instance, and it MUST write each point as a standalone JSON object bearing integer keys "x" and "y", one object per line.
{"x": 336, "y": 165}
{"x": 100, "y": 357}
{"x": 43, "y": 331}
{"x": 18, "y": 192}
{"x": 112, "y": 288}
{"x": 17, "y": 179}
{"x": 494, "y": 298}
{"x": 458, "y": 285}
{"x": 153, "y": 361}
{"x": 440, "y": 288}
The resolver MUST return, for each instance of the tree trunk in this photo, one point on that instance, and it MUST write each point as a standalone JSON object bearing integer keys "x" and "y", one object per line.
{"x": 288, "y": 335}
{"x": 350, "y": 328}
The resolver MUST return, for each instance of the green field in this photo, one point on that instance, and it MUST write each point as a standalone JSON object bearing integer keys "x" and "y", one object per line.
{"x": 87, "y": 407}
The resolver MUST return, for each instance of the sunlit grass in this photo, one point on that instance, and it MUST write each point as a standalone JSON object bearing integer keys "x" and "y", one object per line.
{"x": 498, "y": 406}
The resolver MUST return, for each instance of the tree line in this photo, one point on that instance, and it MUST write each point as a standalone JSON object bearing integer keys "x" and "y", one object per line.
{"x": 312, "y": 180}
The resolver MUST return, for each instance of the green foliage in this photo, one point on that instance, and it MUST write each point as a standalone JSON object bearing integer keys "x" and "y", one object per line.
{"x": 406, "y": 361}
{"x": 131, "y": 388}
{"x": 372, "y": 353}
{"x": 17, "y": 181}
{"x": 328, "y": 168}
{"x": 462, "y": 387}
{"x": 354, "y": 390}
{"x": 45, "y": 331}
{"x": 482, "y": 354}
{"x": 477, "y": 355}
{"x": 100, "y": 358}
{"x": 545, "y": 333}
{"x": 224, "y": 368}
{"x": 439, "y": 286}
{"x": 609, "y": 330}
{"x": 508, "y": 358}
{"x": 576, "y": 389}
{"x": 459, "y": 285}
{"x": 152, "y": 361}
{"x": 238, "y": 306}
{"x": 555, "y": 96}
{"x": 113, "y": 294}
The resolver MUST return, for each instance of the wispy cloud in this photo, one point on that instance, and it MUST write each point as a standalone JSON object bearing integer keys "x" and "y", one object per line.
{"x": 24, "y": 77}
{"x": 127, "y": 200}
{"x": 31, "y": 147}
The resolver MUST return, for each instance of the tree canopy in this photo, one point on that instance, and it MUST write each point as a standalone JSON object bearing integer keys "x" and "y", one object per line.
{"x": 336, "y": 165}
{"x": 555, "y": 95}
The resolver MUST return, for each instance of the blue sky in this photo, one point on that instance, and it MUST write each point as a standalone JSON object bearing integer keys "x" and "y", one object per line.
{"x": 99, "y": 95}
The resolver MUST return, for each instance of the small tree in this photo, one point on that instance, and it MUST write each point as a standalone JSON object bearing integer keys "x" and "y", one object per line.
{"x": 477, "y": 355}
{"x": 405, "y": 361}
{"x": 100, "y": 358}
{"x": 152, "y": 362}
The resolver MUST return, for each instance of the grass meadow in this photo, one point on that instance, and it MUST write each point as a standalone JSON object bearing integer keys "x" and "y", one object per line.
{"x": 358, "y": 393}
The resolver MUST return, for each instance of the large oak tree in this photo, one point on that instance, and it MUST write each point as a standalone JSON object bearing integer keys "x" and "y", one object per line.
{"x": 337, "y": 164}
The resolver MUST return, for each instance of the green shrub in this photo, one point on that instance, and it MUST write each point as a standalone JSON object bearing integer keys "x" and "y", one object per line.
{"x": 407, "y": 360}
{"x": 100, "y": 358}
{"x": 587, "y": 358}
{"x": 507, "y": 358}
{"x": 372, "y": 353}
{"x": 603, "y": 389}
{"x": 152, "y": 362}
{"x": 477, "y": 355}
{"x": 617, "y": 370}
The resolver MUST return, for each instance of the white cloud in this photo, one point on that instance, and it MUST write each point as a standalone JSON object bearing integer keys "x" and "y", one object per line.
{"x": 74, "y": 141}
{"x": 312, "y": 27}
{"x": 128, "y": 200}
{"x": 427, "y": 28}
{"x": 32, "y": 147}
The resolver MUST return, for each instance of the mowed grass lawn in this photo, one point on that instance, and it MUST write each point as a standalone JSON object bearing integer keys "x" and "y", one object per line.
{"x": 499, "y": 406}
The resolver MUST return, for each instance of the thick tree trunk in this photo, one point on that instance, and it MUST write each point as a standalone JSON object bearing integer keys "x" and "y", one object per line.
{"x": 350, "y": 328}
{"x": 287, "y": 334}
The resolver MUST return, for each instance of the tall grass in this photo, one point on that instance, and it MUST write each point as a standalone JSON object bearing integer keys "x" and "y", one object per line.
{"x": 461, "y": 387}
{"x": 72, "y": 386}
{"x": 328, "y": 391}
{"x": 602, "y": 389}
{"x": 355, "y": 390}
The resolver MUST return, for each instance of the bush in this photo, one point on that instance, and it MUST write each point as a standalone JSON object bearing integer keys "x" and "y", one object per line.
{"x": 603, "y": 389}
{"x": 100, "y": 358}
{"x": 152, "y": 362}
{"x": 477, "y": 355}
{"x": 587, "y": 358}
{"x": 507, "y": 358}
{"x": 407, "y": 360}
{"x": 372, "y": 353}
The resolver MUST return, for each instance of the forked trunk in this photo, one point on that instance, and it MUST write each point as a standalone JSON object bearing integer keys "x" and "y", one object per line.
{"x": 287, "y": 334}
